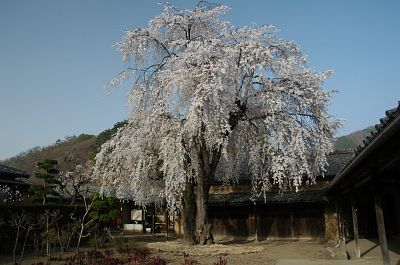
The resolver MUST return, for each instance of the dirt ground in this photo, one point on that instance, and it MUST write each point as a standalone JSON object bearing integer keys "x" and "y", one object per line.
{"x": 242, "y": 252}
{"x": 236, "y": 252}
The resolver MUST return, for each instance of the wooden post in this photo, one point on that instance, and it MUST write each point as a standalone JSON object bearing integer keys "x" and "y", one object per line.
{"x": 256, "y": 239}
{"x": 153, "y": 221}
{"x": 342, "y": 218}
{"x": 292, "y": 223}
{"x": 338, "y": 222}
{"x": 226, "y": 218}
{"x": 166, "y": 223}
{"x": 397, "y": 199}
{"x": 143, "y": 222}
{"x": 380, "y": 221}
{"x": 355, "y": 225}
{"x": 339, "y": 215}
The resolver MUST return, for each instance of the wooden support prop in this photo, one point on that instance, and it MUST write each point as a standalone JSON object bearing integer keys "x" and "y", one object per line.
{"x": 355, "y": 225}
{"x": 380, "y": 221}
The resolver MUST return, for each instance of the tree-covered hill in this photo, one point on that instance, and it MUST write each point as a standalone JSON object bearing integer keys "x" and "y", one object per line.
{"x": 352, "y": 140}
{"x": 82, "y": 148}
{"x": 71, "y": 151}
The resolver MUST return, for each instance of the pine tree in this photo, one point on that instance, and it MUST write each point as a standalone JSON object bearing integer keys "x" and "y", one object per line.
{"x": 48, "y": 175}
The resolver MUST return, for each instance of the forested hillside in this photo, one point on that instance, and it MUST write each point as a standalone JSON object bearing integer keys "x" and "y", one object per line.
{"x": 82, "y": 148}
{"x": 71, "y": 151}
{"x": 352, "y": 140}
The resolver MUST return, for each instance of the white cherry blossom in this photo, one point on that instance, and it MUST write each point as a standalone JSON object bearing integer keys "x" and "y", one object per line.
{"x": 213, "y": 101}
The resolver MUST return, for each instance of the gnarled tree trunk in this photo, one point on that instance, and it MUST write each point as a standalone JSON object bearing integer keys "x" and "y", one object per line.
{"x": 205, "y": 177}
{"x": 203, "y": 226}
{"x": 189, "y": 215}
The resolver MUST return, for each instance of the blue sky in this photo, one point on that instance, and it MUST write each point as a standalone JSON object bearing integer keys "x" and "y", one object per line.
{"x": 56, "y": 56}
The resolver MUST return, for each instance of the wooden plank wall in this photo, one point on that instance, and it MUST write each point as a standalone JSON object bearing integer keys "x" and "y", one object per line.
{"x": 275, "y": 222}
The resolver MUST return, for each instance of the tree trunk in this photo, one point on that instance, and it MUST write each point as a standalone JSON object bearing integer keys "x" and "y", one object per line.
{"x": 48, "y": 250}
{"x": 189, "y": 215}
{"x": 15, "y": 246}
{"x": 71, "y": 234}
{"x": 73, "y": 227}
{"x": 96, "y": 230}
{"x": 59, "y": 240}
{"x": 78, "y": 244}
{"x": 23, "y": 246}
{"x": 203, "y": 227}
{"x": 197, "y": 228}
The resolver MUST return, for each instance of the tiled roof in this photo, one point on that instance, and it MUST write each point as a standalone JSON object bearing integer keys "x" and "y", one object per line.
{"x": 391, "y": 115}
{"x": 14, "y": 182}
{"x": 380, "y": 127}
{"x": 13, "y": 172}
{"x": 336, "y": 161}
{"x": 270, "y": 197}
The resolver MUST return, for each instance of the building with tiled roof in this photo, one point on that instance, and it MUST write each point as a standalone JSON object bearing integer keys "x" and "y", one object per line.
{"x": 367, "y": 189}
{"x": 13, "y": 184}
{"x": 13, "y": 176}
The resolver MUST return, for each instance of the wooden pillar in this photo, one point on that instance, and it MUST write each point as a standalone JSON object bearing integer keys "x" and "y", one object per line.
{"x": 340, "y": 218}
{"x": 166, "y": 224}
{"x": 355, "y": 225}
{"x": 153, "y": 221}
{"x": 226, "y": 217}
{"x": 291, "y": 223}
{"x": 143, "y": 222}
{"x": 256, "y": 223}
{"x": 339, "y": 221}
{"x": 380, "y": 221}
{"x": 397, "y": 199}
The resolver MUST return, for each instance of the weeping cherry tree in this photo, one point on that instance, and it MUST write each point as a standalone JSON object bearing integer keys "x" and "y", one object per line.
{"x": 212, "y": 101}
